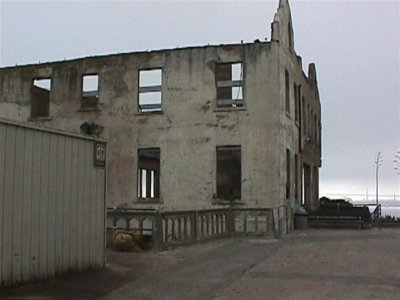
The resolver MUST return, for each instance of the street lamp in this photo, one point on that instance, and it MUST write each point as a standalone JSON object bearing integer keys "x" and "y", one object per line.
{"x": 378, "y": 163}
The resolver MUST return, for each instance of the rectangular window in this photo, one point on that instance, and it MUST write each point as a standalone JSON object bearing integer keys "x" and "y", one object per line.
{"x": 149, "y": 173}
{"x": 287, "y": 174}
{"x": 287, "y": 92}
{"x": 315, "y": 129}
{"x": 229, "y": 172}
{"x": 229, "y": 81}
{"x": 150, "y": 90}
{"x": 297, "y": 97}
{"x": 319, "y": 131}
{"x": 40, "y": 104}
{"x": 90, "y": 92}
{"x": 304, "y": 114}
{"x": 296, "y": 176}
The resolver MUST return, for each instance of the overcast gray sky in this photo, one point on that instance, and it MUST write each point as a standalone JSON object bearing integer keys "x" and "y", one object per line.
{"x": 355, "y": 45}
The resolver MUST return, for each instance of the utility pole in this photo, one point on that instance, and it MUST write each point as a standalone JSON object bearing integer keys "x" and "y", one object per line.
{"x": 396, "y": 166}
{"x": 378, "y": 163}
{"x": 397, "y": 162}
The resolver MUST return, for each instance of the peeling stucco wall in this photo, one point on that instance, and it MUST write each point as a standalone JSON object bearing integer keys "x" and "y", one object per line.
{"x": 190, "y": 126}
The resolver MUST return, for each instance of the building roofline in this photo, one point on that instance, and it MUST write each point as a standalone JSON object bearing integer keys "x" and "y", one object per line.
{"x": 102, "y": 56}
{"x": 27, "y": 125}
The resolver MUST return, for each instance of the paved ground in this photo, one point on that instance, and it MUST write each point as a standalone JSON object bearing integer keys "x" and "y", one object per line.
{"x": 312, "y": 264}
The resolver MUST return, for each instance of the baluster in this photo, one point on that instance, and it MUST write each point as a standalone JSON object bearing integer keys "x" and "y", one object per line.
{"x": 141, "y": 220}
{"x": 127, "y": 221}
{"x": 195, "y": 225}
{"x": 179, "y": 228}
{"x": 212, "y": 224}
{"x": 217, "y": 223}
{"x": 172, "y": 228}
{"x": 256, "y": 223}
{"x": 157, "y": 231}
{"x": 166, "y": 229}
{"x": 208, "y": 224}
{"x": 185, "y": 236}
{"x": 201, "y": 226}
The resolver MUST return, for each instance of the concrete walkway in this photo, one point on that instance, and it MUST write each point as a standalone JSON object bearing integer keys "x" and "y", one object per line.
{"x": 312, "y": 264}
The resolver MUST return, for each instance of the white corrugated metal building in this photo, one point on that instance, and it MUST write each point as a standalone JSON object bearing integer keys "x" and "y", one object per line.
{"x": 52, "y": 203}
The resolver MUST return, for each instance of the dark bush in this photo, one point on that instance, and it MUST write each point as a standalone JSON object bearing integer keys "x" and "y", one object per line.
{"x": 341, "y": 207}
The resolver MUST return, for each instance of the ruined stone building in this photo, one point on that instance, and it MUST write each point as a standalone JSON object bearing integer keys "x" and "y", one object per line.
{"x": 188, "y": 128}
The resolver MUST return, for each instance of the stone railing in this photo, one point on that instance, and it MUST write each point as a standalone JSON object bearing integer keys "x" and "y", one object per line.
{"x": 172, "y": 228}
{"x": 284, "y": 217}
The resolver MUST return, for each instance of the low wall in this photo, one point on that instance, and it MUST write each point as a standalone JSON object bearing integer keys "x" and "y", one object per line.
{"x": 172, "y": 228}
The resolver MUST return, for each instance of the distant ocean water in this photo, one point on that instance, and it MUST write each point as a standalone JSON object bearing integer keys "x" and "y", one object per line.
{"x": 388, "y": 207}
{"x": 391, "y": 211}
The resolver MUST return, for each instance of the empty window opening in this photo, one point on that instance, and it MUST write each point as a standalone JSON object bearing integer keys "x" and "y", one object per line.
{"x": 40, "y": 104}
{"x": 304, "y": 114}
{"x": 90, "y": 91}
{"x": 229, "y": 80}
{"x": 287, "y": 174}
{"x": 229, "y": 172}
{"x": 297, "y": 96}
{"x": 306, "y": 185}
{"x": 149, "y": 173}
{"x": 287, "y": 92}
{"x": 150, "y": 90}
{"x": 315, "y": 129}
{"x": 319, "y": 131}
{"x": 296, "y": 176}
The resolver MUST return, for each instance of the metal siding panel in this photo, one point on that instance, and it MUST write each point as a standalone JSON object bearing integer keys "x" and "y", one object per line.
{"x": 74, "y": 206}
{"x": 44, "y": 200}
{"x": 27, "y": 206}
{"x": 51, "y": 221}
{"x": 52, "y": 204}
{"x": 88, "y": 167}
{"x": 100, "y": 217}
{"x": 103, "y": 215}
{"x": 35, "y": 212}
{"x": 80, "y": 205}
{"x": 66, "y": 223}
{"x": 59, "y": 203}
{"x": 17, "y": 204}
{"x": 93, "y": 214}
{"x": 2, "y": 172}
{"x": 8, "y": 205}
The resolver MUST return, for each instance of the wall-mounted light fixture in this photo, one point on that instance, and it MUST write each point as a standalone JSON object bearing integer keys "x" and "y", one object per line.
{"x": 91, "y": 128}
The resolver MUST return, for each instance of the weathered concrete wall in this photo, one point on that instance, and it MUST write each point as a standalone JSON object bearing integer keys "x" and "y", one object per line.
{"x": 190, "y": 126}
{"x": 302, "y": 136}
{"x": 187, "y": 131}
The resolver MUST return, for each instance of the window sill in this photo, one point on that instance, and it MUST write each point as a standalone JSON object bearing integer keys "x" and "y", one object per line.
{"x": 228, "y": 109}
{"x": 88, "y": 109}
{"x": 40, "y": 119}
{"x": 227, "y": 202}
{"x": 148, "y": 201}
{"x": 146, "y": 113}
